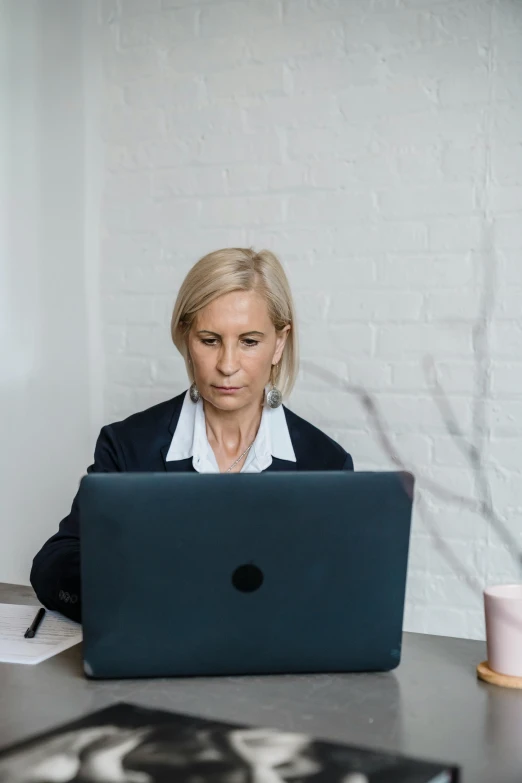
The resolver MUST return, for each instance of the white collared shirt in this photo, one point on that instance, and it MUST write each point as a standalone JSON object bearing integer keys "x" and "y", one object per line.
{"x": 190, "y": 440}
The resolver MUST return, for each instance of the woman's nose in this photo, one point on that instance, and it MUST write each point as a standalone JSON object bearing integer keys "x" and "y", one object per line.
{"x": 228, "y": 362}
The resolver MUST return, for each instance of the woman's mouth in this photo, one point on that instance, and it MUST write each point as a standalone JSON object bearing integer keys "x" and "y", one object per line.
{"x": 228, "y": 389}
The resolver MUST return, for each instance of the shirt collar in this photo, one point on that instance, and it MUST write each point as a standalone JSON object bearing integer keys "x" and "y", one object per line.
{"x": 190, "y": 438}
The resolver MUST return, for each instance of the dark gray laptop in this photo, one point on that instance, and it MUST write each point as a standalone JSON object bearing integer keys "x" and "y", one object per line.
{"x": 205, "y": 574}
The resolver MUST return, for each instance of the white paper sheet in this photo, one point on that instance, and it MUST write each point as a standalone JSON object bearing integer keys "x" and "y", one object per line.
{"x": 55, "y": 634}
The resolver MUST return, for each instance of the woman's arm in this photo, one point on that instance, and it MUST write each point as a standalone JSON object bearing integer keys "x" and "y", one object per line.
{"x": 55, "y": 574}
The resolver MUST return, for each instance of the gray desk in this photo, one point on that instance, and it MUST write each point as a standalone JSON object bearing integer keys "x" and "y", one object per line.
{"x": 432, "y": 706}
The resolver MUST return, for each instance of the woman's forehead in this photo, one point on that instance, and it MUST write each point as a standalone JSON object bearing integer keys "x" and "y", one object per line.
{"x": 238, "y": 309}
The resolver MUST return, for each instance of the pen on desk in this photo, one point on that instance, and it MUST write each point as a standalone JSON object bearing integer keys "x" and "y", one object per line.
{"x": 34, "y": 625}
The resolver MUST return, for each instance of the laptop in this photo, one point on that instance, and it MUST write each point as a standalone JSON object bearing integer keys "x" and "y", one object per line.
{"x": 280, "y": 572}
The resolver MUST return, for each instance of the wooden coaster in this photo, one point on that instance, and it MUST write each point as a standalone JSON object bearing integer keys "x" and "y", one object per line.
{"x": 504, "y": 680}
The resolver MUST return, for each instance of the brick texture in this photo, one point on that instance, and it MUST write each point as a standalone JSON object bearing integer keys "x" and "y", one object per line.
{"x": 370, "y": 144}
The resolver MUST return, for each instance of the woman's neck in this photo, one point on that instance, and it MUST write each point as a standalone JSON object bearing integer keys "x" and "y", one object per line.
{"x": 229, "y": 433}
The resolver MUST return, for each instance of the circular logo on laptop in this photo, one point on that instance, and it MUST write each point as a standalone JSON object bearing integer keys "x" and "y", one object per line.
{"x": 247, "y": 578}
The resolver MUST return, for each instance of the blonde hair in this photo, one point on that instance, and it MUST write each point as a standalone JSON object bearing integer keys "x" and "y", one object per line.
{"x": 239, "y": 269}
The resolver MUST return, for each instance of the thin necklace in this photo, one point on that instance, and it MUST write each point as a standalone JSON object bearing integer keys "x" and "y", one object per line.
{"x": 241, "y": 457}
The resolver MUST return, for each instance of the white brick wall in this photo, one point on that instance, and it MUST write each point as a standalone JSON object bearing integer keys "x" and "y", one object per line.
{"x": 367, "y": 142}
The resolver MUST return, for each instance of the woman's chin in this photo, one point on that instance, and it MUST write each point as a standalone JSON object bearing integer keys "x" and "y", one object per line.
{"x": 229, "y": 400}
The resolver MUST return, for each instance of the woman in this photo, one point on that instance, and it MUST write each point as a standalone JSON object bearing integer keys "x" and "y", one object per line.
{"x": 234, "y": 324}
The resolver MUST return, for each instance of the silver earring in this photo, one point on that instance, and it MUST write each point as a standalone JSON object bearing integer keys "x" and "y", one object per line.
{"x": 194, "y": 392}
{"x": 274, "y": 398}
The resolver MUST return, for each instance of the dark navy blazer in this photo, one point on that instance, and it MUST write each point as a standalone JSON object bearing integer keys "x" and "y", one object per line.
{"x": 140, "y": 443}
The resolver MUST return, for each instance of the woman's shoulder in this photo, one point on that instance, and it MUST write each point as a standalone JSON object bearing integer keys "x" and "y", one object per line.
{"x": 163, "y": 415}
{"x": 314, "y": 449}
{"x": 139, "y": 441}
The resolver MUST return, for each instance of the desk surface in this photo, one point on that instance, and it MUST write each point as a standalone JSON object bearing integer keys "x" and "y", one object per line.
{"x": 432, "y": 706}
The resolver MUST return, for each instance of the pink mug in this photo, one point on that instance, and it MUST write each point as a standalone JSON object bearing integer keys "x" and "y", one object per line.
{"x": 503, "y": 610}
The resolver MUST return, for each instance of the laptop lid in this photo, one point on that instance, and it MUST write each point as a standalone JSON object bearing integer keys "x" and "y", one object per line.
{"x": 206, "y": 574}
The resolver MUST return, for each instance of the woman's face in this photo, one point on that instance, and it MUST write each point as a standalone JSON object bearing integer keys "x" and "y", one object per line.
{"x": 233, "y": 345}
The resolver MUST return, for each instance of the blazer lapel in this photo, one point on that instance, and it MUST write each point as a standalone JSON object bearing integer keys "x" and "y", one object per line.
{"x": 280, "y": 464}
{"x": 178, "y": 465}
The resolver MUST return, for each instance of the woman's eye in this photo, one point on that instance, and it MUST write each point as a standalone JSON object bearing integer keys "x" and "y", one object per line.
{"x": 248, "y": 342}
